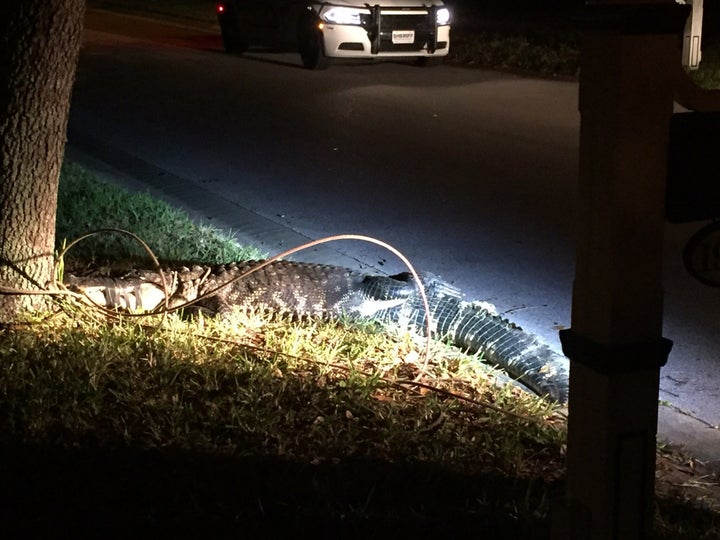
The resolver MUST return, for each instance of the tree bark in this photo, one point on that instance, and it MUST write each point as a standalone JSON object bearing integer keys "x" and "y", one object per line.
{"x": 39, "y": 48}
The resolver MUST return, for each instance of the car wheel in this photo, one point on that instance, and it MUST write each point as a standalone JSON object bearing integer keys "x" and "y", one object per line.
{"x": 312, "y": 51}
{"x": 235, "y": 40}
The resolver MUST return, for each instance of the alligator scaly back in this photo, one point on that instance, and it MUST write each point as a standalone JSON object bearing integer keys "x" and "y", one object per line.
{"x": 308, "y": 289}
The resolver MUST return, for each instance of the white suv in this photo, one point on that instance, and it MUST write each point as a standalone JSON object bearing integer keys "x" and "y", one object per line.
{"x": 320, "y": 31}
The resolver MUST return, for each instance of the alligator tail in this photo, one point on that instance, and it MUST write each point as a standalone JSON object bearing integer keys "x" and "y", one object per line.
{"x": 472, "y": 327}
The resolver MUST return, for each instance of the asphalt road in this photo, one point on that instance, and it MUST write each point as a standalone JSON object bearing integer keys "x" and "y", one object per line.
{"x": 471, "y": 174}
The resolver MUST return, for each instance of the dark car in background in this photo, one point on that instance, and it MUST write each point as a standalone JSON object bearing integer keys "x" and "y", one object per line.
{"x": 320, "y": 31}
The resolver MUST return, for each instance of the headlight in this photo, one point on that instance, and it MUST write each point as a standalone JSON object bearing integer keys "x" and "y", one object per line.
{"x": 344, "y": 15}
{"x": 442, "y": 16}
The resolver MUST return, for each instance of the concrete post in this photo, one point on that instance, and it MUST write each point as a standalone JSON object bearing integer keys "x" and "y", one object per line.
{"x": 615, "y": 343}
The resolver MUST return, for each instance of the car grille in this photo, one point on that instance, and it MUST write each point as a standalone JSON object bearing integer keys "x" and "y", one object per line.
{"x": 421, "y": 24}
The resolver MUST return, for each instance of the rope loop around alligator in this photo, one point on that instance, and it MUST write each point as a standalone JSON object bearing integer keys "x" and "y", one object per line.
{"x": 261, "y": 265}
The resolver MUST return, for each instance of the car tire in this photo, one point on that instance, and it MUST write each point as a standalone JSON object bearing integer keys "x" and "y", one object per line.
{"x": 235, "y": 40}
{"x": 310, "y": 46}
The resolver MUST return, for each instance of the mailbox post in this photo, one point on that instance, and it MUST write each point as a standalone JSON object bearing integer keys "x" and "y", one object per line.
{"x": 615, "y": 343}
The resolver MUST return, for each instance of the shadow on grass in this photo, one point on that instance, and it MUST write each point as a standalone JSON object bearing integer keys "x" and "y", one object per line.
{"x": 81, "y": 493}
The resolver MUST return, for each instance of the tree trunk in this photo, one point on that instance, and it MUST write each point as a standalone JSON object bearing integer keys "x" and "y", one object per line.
{"x": 39, "y": 47}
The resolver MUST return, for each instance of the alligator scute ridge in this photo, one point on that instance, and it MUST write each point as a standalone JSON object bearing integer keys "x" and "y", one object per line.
{"x": 318, "y": 290}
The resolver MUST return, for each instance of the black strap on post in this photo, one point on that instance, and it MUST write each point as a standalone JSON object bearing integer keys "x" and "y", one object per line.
{"x": 611, "y": 359}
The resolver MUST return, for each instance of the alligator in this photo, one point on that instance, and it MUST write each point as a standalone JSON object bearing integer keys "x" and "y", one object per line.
{"x": 317, "y": 290}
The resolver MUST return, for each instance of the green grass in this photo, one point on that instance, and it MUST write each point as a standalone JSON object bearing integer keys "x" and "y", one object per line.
{"x": 529, "y": 41}
{"x": 86, "y": 205}
{"x": 515, "y": 52}
{"x": 311, "y": 391}
{"x": 327, "y": 411}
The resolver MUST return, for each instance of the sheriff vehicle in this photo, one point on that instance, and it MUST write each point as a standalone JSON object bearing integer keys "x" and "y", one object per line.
{"x": 321, "y": 31}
